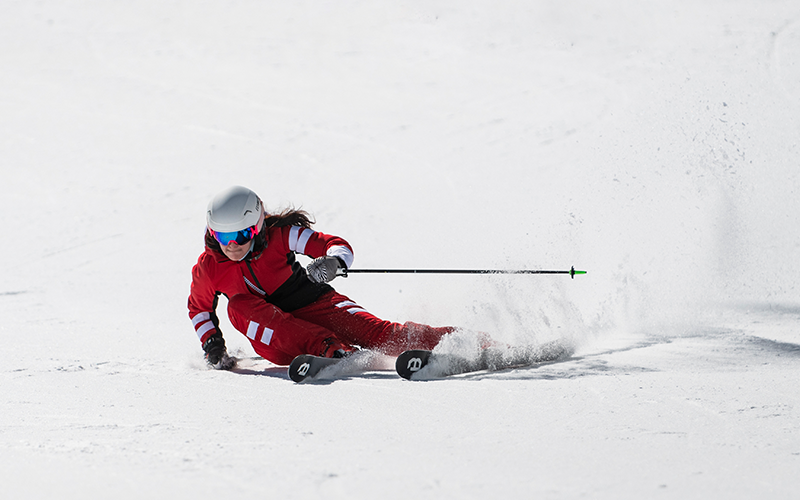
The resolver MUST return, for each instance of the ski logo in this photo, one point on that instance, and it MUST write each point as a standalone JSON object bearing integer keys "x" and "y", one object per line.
{"x": 414, "y": 364}
{"x": 303, "y": 369}
{"x": 411, "y": 362}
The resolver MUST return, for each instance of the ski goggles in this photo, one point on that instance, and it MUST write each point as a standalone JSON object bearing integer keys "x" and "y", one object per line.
{"x": 240, "y": 237}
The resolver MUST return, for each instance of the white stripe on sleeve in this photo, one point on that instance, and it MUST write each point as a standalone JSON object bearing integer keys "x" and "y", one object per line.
{"x": 343, "y": 253}
{"x": 200, "y": 317}
{"x": 305, "y": 234}
{"x": 294, "y": 232}
{"x": 204, "y": 329}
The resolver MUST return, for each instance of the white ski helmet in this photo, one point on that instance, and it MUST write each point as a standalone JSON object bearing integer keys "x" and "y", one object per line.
{"x": 234, "y": 209}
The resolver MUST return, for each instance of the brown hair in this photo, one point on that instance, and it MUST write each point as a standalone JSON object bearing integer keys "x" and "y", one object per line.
{"x": 286, "y": 217}
{"x": 289, "y": 217}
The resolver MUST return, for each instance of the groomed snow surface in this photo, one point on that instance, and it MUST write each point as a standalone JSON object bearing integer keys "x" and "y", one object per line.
{"x": 653, "y": 144}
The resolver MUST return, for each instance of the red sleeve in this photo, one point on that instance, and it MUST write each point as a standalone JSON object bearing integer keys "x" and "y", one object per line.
{"x": 203, "y": 300}
{"x": 315, "y": 244}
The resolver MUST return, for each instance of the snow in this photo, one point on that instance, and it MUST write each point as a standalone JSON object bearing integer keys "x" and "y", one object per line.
{"x": 653, "y": 144}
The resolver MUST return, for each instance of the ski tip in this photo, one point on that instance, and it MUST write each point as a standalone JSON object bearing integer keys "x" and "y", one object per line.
{"x": 308, "y": 366}
{"x": 410, "y": 362}
{"x": 298, "y": 369}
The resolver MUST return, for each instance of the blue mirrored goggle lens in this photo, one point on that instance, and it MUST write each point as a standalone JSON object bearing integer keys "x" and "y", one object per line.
{"x": 240, "y": 237}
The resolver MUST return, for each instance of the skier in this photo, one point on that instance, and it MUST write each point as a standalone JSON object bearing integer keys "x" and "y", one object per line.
{"x": 282, "y": 308}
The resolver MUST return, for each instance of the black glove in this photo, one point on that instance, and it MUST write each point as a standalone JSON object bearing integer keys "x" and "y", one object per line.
{"x": 324, "y": 269}
{"x": 216, "y": 354}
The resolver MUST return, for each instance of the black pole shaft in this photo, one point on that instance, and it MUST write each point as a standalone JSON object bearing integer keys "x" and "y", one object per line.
{"x": 453, "y": 271}
{"x": 572, "y": 272}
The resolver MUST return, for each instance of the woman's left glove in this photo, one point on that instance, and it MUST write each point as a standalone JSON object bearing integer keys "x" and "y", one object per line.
{"x": 323, "y": 269}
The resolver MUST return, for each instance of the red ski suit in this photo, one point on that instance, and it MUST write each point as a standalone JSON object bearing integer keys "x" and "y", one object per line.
{"x": 283, "y": 313}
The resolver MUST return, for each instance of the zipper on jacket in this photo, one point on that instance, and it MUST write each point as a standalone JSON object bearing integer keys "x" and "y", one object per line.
{"x": 260, "y": 288}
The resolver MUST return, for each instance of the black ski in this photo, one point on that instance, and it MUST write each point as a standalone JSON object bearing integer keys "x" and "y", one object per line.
{"x": 428, "y": 365}
{"x": 307, "y": 366}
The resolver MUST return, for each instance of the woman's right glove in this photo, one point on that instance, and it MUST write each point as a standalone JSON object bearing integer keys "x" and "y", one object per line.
{"x": 323, "y": 269}
{"x": 216, "y": 354}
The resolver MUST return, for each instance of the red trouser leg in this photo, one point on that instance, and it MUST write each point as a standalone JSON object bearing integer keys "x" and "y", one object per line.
{"x": 278, "y": 336}
{"x": 354, "y": 325}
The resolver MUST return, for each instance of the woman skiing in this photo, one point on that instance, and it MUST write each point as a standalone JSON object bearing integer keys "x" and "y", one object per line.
{"x": 282, "y": 308}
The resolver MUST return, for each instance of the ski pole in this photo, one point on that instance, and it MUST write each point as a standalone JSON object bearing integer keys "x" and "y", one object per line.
{"x": 344, "y": 272}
